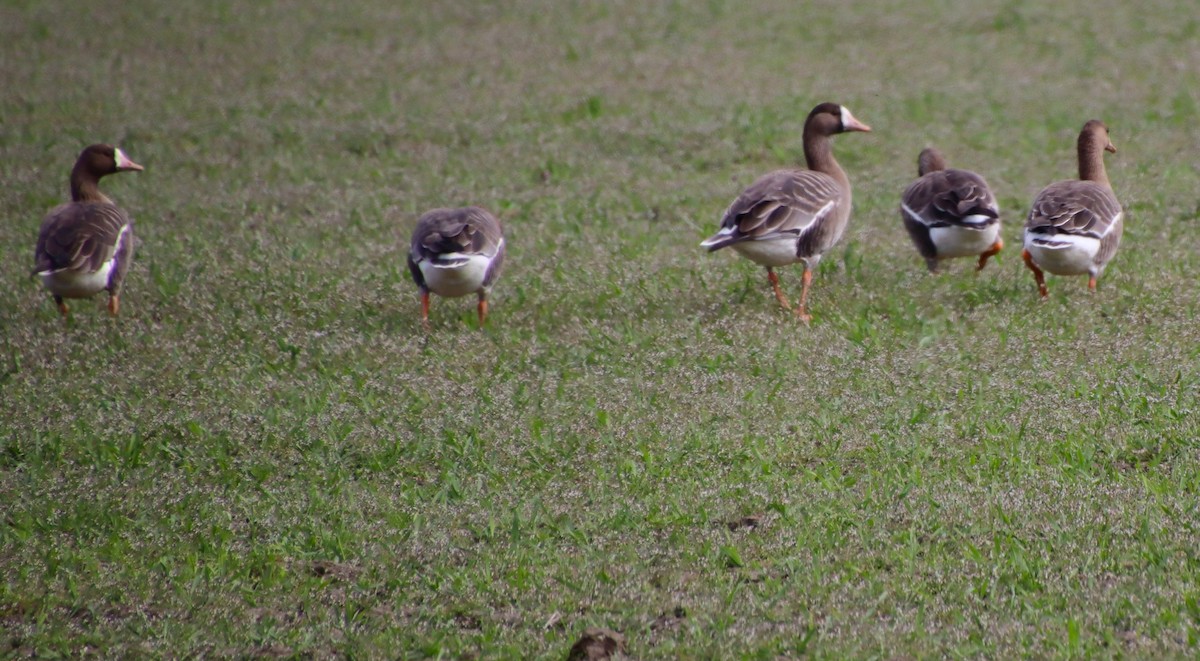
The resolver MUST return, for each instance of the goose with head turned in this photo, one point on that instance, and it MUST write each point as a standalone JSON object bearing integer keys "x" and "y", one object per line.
{"x": 86, "y": 245}
{"x": 795, "y": 215}
{"x": 1075, "y": 226}
{"x": 455, "y": 252}
{"x": 950, "y": 213}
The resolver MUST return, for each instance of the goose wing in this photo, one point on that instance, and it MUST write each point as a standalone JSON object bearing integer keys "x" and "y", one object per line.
{"x": 784, "y": 202}
{"x": 947, "y": 198}
{"x": 79, "y": 236}
{"x": 450, "y": 234}
{"x": 1078, "y": 207}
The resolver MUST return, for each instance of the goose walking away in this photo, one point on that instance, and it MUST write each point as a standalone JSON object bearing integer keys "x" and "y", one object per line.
{"x": 455, "y": 252}
{"x": 950, "y": 213}
{"x": 795, "y": 215}
{"x": 1074, "y": 226}
{"x": 86, "y": 245}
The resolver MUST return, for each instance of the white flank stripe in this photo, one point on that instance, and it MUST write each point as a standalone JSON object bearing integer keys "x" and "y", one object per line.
{"x": 1115, "y": 221}
{"x": 823, "y": 210}
{"x": 914, "y": 215}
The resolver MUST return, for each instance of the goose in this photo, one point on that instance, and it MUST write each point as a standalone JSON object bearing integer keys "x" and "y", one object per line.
{"x": 794, "y": 215}
{"x": 85, "y": 246}
{"x": 1074, "y": 226}
{"x": 455, "y": 252}
{"x": 950, "y": 213}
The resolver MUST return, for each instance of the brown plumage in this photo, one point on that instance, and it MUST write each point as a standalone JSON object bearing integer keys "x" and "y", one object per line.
{"x": 1074, "y": 227}
{"x": 455, "y": 252}
{"x": 950, "y": 213}
{"x": 790, "y": 216}
{"x": 86, "y": 245}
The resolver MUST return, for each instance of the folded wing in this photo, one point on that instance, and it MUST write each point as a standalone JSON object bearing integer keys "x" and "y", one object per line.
{"x": 79, "y": 236}
{"x": 450, "y": 235}
{"x": 785, "y": 202}
{"x": 1077, "y": 207}
{"x": 951, "y": 198}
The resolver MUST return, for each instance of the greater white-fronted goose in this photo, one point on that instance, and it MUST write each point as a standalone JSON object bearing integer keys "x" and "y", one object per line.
{"x": 790, "y": 216}
{"x": 950, "y": 213}
{"x": 1075, "y": 226}
{"x": 85, "y": 246}
{"x": 456, "y": 252}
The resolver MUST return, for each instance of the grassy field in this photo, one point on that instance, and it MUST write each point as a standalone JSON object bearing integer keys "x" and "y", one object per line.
{"x": 266, "y": 456}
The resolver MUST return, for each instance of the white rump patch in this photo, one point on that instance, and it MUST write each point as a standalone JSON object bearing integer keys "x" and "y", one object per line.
{"x": 777, "y": 251}
{"x": 955, "y": 241}
{"x": 1063, "y": 254}
{"x": 978, "y": 220}
{"x": 462, "y": 274}
{"x": 74, "y": 284}
{"x": 77, "y": 284}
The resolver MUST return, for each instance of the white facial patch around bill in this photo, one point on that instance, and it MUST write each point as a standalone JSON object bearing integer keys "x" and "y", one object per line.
{"x": 123, "y": 161}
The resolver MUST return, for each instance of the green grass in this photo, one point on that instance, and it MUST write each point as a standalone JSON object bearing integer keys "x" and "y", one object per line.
{"x": 266, "y": 456}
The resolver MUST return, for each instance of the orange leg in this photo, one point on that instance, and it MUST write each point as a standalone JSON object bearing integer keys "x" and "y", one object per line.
{"x": 114, "y": 304}
{"x": 483, "y": 306}
{"x": 1037, "y": 274}
{"x": 778, "y": 292}
{"x": 995, "y": 249}
{"x": 425, "y": 309}
{"x": 802, "y": 310}
{"x": 1092, "y": 284}
{"x": 62, "y": 307}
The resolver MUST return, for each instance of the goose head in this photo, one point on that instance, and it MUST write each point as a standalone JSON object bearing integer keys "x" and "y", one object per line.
{"x": 101, "y": 159}
{"x": 1096, "y": 133}
{"x": 831, "y": 119}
